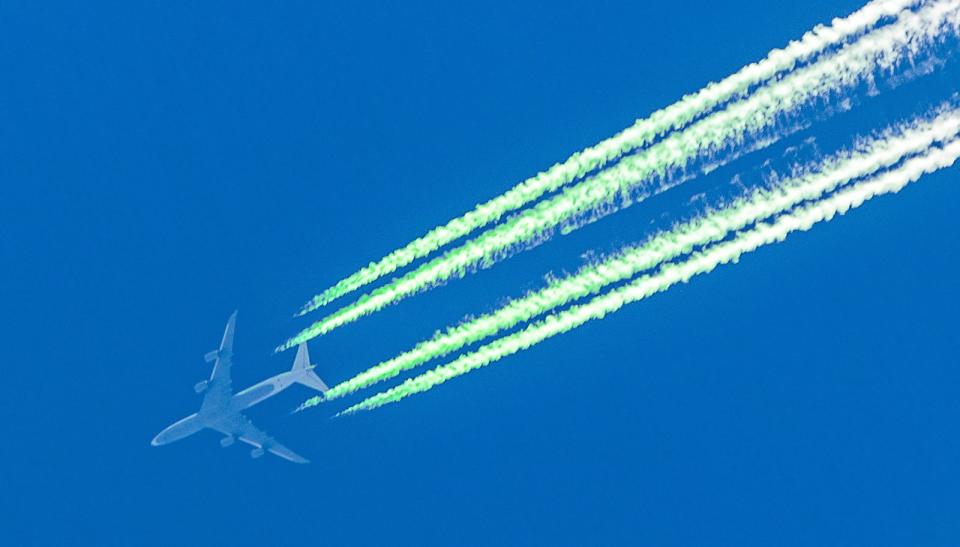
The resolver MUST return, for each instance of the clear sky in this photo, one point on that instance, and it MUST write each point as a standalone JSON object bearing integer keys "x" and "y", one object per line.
{"x": 162, "y": 164}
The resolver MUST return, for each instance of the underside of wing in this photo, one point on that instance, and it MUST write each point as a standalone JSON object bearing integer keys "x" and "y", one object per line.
{"x": 242, "y": 428}
{"x": 220, "y": 385}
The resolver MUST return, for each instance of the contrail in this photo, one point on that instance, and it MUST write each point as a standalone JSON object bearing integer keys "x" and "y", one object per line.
{"x": 886, "y": 150}
{"x": 870, "y": 156}
{"x": 800, "y": 219}
{"x": 879, "y": 50}
{"x": 643, "y": 132}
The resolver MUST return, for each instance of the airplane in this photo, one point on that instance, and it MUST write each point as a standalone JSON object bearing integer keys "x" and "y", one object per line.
{"x": 221, "y": 408}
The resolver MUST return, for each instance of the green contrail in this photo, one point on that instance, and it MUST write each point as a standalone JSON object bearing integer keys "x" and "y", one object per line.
{"x": 800, "y": 219}
{"x": 640, "y": 134}
{"x": 887, "y": 149}
{"x": 882, "y": 49}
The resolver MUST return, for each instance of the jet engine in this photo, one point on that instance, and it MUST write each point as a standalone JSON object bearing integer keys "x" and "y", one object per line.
{"x": 256, "y": 453}
{"x": 226, "y": 441}
{"x": 212, "y": 356}
{"x": 200, "y": 387}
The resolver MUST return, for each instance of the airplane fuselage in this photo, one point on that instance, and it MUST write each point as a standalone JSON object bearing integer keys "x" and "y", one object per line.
{"x": 242, "y": 400}
{"x": 222, "y": 409}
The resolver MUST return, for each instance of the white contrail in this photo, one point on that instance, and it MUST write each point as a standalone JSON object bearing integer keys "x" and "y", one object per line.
{"x": 642, "y": 133}
{"x": 868, "y": 157}
{"x": 801, "y": 219}
{"x": 881, "y": 49}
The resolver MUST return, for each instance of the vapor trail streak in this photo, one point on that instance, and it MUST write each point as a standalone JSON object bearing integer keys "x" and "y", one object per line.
{"x": 643, "y": 132}
{"x": 879, "y": 50}
{"x": 800, "y": 219}
{"x": 887, "y": 149}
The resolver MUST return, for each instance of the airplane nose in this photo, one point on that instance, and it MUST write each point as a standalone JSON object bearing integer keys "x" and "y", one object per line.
{"x": 158, "y": 440}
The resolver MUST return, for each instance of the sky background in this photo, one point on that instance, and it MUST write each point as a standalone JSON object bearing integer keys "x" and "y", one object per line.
{"x": 162, "y": 164}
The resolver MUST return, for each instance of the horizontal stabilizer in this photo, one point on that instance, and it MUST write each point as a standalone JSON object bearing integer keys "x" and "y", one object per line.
{"x": 303, "y": 370}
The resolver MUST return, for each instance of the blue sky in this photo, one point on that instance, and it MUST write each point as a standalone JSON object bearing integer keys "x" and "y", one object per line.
{"x": 164, "y": 165}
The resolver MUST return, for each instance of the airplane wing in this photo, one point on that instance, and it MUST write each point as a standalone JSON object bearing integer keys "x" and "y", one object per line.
{"x": 220, "y": 385}
{"x": 242, "y": 428}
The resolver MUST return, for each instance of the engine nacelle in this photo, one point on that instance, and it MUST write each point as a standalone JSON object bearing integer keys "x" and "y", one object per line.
{"x": 212, "y": 356}
{"x": 200, "y": 387}
{"x": 256, "y": 453}
{"x": 226, "y": 441}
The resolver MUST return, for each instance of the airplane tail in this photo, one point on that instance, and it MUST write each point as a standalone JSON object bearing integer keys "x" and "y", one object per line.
{"x": 304, "y": 370}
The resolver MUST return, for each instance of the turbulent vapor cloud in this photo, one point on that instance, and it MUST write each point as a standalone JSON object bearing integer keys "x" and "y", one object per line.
{"x": 642, "y": 133}
{"x": 870, "y": 156}
{"x": 799, "y": 219}
{"x": 833, "y": 72}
